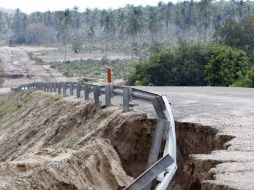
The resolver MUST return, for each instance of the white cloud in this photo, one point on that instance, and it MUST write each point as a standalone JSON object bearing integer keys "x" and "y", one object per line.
{"x": 29, "y": 6}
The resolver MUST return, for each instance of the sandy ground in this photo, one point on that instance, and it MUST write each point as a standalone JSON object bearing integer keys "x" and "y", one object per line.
{"x": 20, "y": 69}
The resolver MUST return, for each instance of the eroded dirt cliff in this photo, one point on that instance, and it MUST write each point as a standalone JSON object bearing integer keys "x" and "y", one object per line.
{"x": 47, "y": 142}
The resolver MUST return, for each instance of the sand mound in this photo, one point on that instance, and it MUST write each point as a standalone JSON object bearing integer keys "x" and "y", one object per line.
{"x": 52, "y": 143}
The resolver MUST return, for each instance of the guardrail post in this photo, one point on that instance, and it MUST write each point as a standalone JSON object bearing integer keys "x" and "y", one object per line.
{"x": 96, "y": 92}
{"x": 54, "y": 87}
{"x": 108, "y": 95}
{"x": 126, "y": 100}
{"x": 44, "y": 87}
{"x": 51, "y": 87}
{"x": 71, "y": 88}
{"x": 87, "y": 91}
{"x": 59, "y": 86}
{"x": 47, "y": 87}
{"x": 78, "y": 90}
{"x": 64, "y": 89}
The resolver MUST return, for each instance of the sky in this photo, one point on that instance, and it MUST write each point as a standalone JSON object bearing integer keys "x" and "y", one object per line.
{"x": 29, "y": 6}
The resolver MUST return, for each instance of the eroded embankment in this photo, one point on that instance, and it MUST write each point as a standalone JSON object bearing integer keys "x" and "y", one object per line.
{"x": 194, "y": 139}
{"x": 52, "y": 143}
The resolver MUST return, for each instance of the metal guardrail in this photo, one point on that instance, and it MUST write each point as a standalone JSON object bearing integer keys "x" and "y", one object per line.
{"x": 164, "y": 168}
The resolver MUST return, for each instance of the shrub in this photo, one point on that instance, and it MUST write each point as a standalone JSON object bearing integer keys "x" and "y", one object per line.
{"x": 197, "y": 65}
{"x": 226, "y": 65}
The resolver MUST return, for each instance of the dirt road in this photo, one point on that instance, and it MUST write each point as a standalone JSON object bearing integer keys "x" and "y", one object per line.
{"x": 20, "y": 69}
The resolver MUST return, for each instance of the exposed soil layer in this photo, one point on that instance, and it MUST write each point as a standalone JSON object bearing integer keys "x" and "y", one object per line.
{"x": 193, "y": 138}
{"x": 48, "y": 142}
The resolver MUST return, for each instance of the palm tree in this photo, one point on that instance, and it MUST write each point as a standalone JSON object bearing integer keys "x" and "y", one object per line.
{"x": 153, "y": 23}
{"x": 64, "y": 22}
{"x": 120, "y": 23}
{"x": 109, "y": 26}
{"x": 205, "y": 13}
{"x": 135, "y": 24}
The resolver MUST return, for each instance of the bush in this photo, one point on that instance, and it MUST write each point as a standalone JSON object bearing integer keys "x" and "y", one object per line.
{"x": 195, "y": 65}
{"x": 184, "y": 66}
{"x": 226, "y": 65}
{"x": 247, "y": 80}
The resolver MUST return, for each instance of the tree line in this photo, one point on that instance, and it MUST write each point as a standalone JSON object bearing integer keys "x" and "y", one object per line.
{"x": 130, "y": 26}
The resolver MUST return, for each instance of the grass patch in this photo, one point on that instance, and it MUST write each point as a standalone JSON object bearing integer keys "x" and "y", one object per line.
{"x": 9, "y": 106}
{"x": 94, "y": 69}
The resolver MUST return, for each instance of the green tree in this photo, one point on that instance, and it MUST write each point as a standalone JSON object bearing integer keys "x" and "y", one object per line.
{"x": 64, "y": 19}
{"x": 225, "y": 66}
{"x": 153, "y": 23}
{"x": 246, "y": 80}
{"x": 121, "y": 24}
{"x": 109, "y": 26}
{"x": 135, "y": 24}
{"x": 237, "y": 34}
{"x": 184, "y": 66}
{"x": 91, "y": 32}
{"x": 19, "y": 26}
{"x": 198, "y": 65}
{"x": 205, "y": 15}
